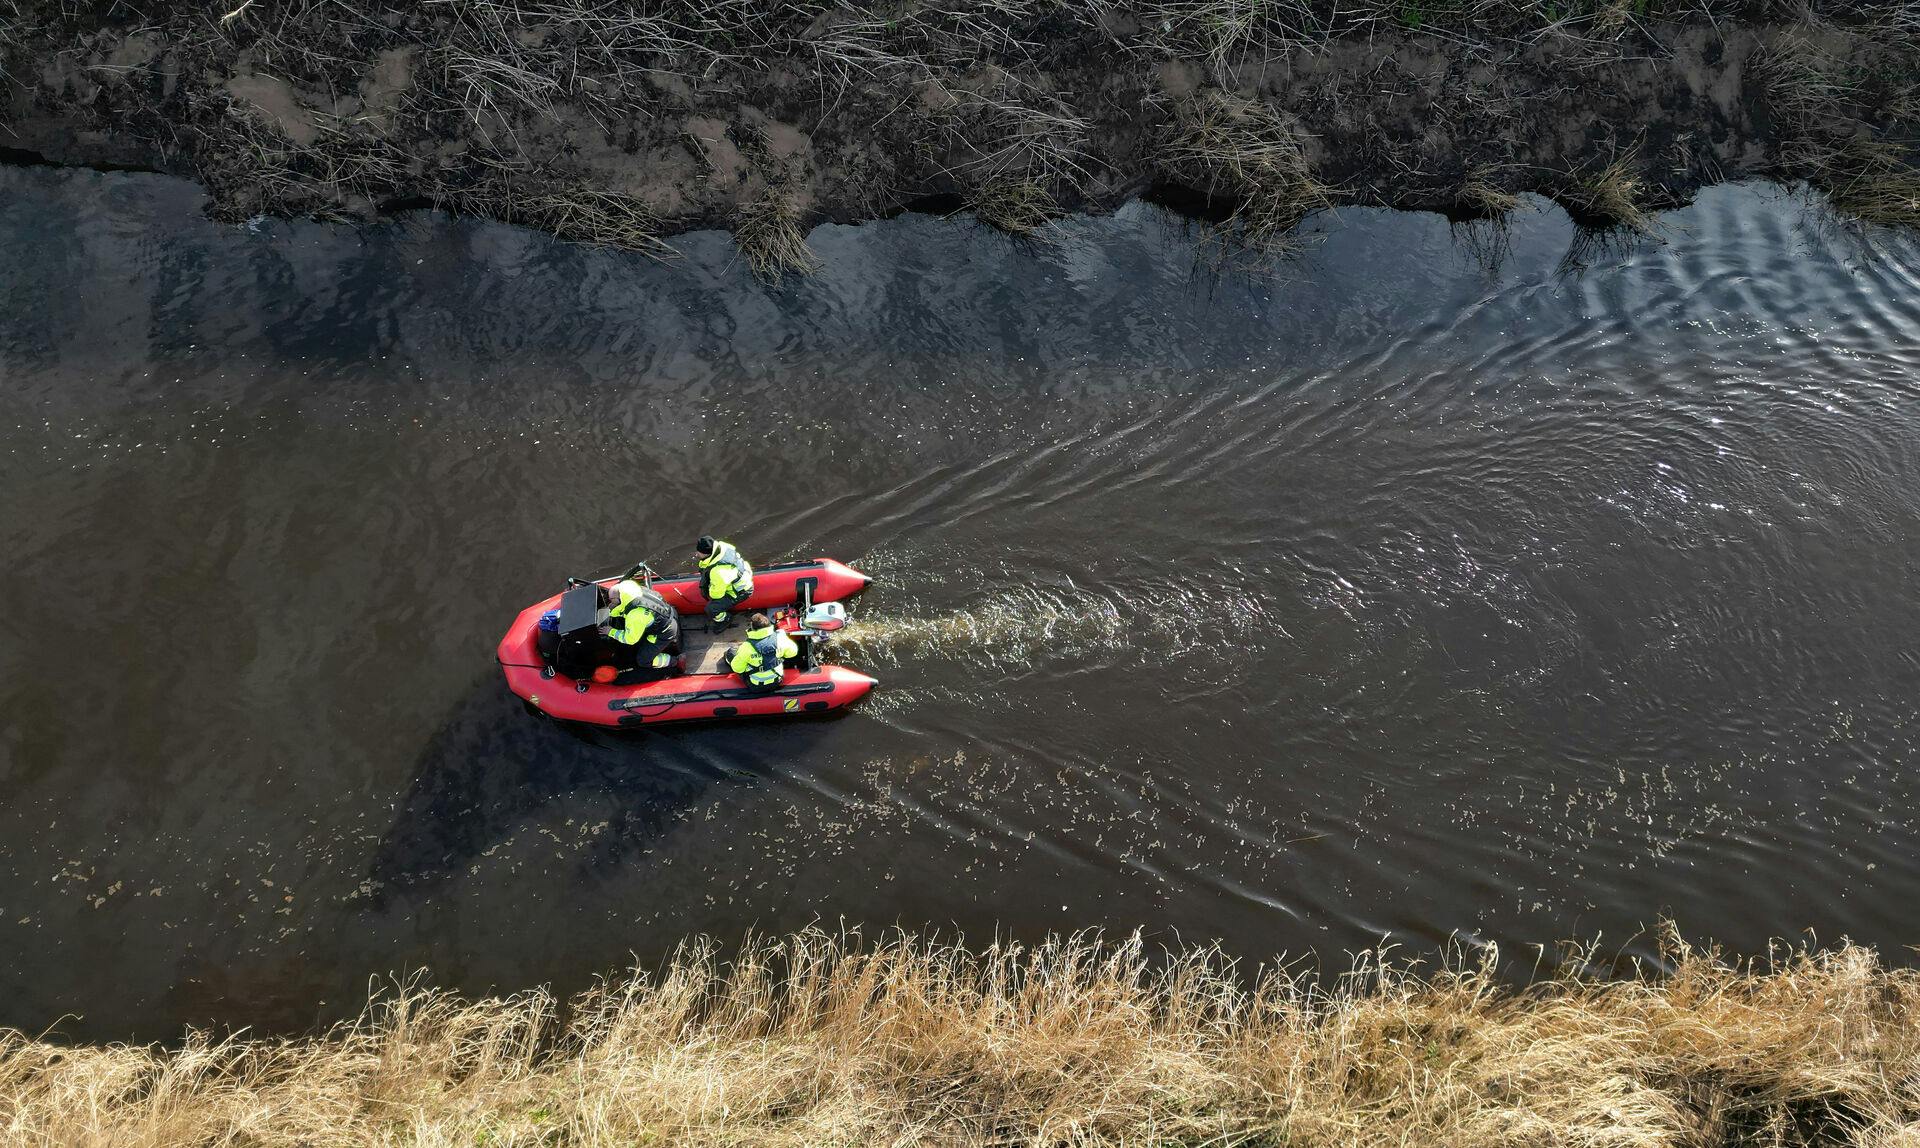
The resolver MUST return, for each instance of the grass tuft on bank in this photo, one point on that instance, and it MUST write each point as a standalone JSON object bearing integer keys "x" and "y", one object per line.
{"x": 1482, "y": 196}
{"x": 1610, "y": 195}
{"x": 771, "y": 239}
{"x": 1251, "y": 155}
{"x": 821, "y": 1039}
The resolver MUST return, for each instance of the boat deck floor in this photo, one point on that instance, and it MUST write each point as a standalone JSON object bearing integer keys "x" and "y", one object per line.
{"x": 707, "y": 653}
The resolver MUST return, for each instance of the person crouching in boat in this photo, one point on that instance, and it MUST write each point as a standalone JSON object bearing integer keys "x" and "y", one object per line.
{"x": 643, "y": 622}
{"x": 761, "y": 660}
{"x": 725, "y": 579}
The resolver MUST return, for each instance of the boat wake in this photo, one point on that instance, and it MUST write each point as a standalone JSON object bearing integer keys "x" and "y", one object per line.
{"x": 1017, "y": 627}
{"x": 1024, "y": 627}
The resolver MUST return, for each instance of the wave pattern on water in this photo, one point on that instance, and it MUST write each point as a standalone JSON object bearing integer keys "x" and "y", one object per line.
{"x": 1016, "y": 628}
{"x": 1404, "y": 592}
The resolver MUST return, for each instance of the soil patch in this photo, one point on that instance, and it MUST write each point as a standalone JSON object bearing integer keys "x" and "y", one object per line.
{"x": 622, "y": 124}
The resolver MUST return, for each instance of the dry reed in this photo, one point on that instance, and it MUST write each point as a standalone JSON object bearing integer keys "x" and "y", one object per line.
{"x": 820, "y": 1039}
{"x": 1018, "y": 207}
{"x": 984, "y": 100}
{"x": 1865, "y": 179}
{"x": 1481, "y": 194}
{"x": 1872, "y": 181}
{"x": 1251, "y": 154}
{"x": 770, "y": 238}
{"x": 587, "y": 215}
{"x": 1613, "y": 195}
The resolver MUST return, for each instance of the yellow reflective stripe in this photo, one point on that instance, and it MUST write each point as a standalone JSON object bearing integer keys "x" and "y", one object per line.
{"x": 628, "y": 630}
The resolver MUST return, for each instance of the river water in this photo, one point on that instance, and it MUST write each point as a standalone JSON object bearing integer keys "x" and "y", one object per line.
{"x": 1434, "y": 584}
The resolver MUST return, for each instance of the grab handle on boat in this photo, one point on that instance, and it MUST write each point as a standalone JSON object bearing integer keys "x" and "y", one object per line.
{"x": 636, "y": 568}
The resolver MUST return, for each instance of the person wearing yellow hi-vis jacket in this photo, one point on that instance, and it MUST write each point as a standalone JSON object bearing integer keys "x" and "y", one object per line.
{"x": 638, "y": 617}
{"x": 725, "y": 579}
{"x": 761, "y": 660}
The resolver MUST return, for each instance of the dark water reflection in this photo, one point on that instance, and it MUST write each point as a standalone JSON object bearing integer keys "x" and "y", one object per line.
{"x": 1404, "y": 590}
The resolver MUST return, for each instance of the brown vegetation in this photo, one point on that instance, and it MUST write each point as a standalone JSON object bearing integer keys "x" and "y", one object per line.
{"x": 1869, "y": 180}
{"x": 1482, "y": 197}
{"x": 1015, "y": 206}
{"x": 1612, "y": 195}
{"x": 1249, "y": 154}
{"x": 819, "y": 1040}
{"x": 619, "y": 123}
{"x": 1817, "y": 82}
{"x": 771, "y": 240}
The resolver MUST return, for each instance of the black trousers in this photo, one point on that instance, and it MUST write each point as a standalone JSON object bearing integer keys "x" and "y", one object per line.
{"x": 717, "y": 608}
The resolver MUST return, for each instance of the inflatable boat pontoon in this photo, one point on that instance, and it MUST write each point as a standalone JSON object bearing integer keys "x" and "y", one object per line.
{"x": 805, "y": 598}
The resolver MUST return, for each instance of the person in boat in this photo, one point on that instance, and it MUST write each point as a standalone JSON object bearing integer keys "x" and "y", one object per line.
{"x": 725, "y": 579}
{"x": 643, "y": 622}
{"x": 761, "y": 660}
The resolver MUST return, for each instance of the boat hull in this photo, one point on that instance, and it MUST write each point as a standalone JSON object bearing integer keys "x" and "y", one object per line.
{"x": 830, "y": 581}
{"x": 698, "y": 696}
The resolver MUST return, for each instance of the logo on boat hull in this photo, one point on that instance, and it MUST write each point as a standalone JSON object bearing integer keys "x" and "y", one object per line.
{"x": 791, "y": 704}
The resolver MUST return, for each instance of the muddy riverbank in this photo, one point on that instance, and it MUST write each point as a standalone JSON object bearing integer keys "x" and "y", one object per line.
{"x": 624, "y": 125}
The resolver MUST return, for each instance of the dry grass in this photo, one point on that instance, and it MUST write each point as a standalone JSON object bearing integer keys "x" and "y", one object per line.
{"x": 1866, "y": 179}
{"x": 1481, "y": 194}
{"x": 819, "y": 1040}
{"x": 1250, "y": 153}
{"x": 770, "y": 238}
{"x": 587, "y": 215}
{"x": 1230, "y": 33}
{"x": 1827, "y": 100}
{"x": 1612, "y": 195}
{"x": 1016, "y": 149}
{"x": 1806, "y": 84}
{"x": 983, "y": 98}
{"x": 1016, "y": 206}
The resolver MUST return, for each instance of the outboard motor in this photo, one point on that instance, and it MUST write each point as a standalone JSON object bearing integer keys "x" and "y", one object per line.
{"x": 807, "y": 624}
{"x": 825, "y": 617}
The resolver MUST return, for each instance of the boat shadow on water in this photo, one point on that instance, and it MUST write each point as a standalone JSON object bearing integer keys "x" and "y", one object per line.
{"x": 492, "y": 769}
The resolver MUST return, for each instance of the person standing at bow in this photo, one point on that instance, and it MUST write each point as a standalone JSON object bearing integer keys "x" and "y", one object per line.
{"x": 644, "y": 622}
{"x": 761, "y": 660}
{"x": 725, "y": 579}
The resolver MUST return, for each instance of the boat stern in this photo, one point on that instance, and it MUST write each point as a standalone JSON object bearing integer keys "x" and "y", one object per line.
{"x": 850, "y": 686}
{"x": 838, "y": 580}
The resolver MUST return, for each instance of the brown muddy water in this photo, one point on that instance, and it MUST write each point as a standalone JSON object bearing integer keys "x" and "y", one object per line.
{"x": 1421, "y": 587}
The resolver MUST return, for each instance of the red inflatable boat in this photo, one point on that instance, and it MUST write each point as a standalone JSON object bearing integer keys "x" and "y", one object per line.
{"x": 704, "y": 689}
